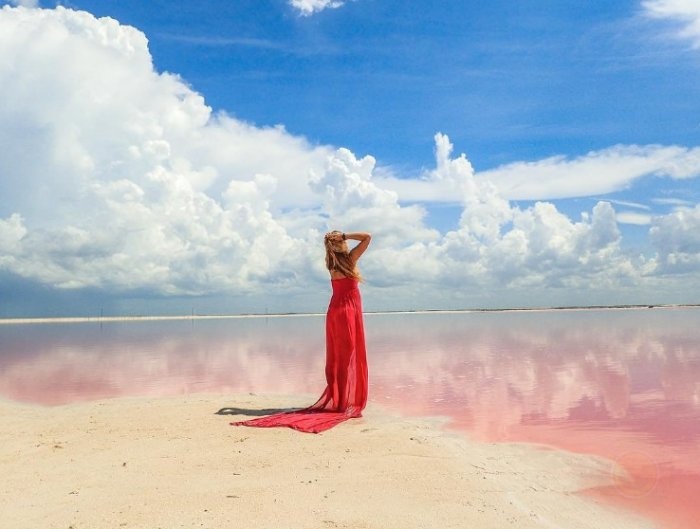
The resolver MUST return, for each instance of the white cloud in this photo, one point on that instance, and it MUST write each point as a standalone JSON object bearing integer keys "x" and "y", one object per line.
{"x": 351, "y": 198}
{"x": 684, "y": 12}
{"x": 12, "y": 231}
{"x": 127, "y": 181}
{"x": 627, "y": 203}
{"x": 677, "y": 239}
{"x": 672, "y": 201}
{"x": 119, "y": 178}
{"x": 596, "y": 173}
{"x": 25, "y": 3}
{"x": 497, "y": 244}
{"x": 309, "y": 7}
{"x": 554, "y": 250}
{"x": 633, "y": 217}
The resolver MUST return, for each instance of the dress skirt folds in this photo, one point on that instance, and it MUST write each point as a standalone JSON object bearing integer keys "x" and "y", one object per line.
{"x": 345, "y": 395}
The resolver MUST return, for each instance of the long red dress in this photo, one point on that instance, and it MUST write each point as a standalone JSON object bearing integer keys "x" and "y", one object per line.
{"x": 345, "y": 395}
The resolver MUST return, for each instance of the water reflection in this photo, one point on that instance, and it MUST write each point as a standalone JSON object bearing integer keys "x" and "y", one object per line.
{"x": 623, "y": 384}
{"x": 57, "y": 364}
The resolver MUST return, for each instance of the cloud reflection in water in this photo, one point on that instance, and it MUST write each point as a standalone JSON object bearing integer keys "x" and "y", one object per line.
{"x": 622, "y": 384}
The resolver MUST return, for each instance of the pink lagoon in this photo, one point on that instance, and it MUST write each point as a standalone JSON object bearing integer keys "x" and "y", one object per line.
{"x": 623, "y": 385}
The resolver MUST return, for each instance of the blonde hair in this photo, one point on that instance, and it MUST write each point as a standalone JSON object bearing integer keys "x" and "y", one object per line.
{"x": 338, "y": 256}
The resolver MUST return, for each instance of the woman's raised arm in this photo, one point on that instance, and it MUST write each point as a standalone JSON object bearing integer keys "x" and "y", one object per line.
{"x": 358, "y": 250}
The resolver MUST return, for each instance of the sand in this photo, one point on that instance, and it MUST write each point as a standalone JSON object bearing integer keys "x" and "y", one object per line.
{"x": 176, "y": 463}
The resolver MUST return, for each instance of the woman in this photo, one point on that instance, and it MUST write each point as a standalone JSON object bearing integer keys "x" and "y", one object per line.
{"x": 345, "y": 395}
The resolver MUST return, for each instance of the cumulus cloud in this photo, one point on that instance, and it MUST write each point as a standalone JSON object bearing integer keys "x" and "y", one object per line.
{"x": 350, "y": 197}
{"x": 677, "y": 238}
{"x": 686, "y": 13}
{"x": 495, "y": 242}
{"x": 122, "y": 177}
{"x": 309, "y": 7}
{"x": 118, "y": 178}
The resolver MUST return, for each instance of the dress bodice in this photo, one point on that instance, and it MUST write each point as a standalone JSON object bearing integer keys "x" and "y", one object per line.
{"x": 343, "y": 285}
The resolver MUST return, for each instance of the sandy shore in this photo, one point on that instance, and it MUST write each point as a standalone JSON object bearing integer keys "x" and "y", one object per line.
{"x": 175, "y": 463}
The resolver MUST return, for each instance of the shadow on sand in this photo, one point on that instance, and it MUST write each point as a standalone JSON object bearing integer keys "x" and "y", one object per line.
{"x": 254, "y": 413}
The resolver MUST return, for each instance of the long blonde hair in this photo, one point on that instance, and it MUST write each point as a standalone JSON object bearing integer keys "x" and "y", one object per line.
{"x": 338, "y": 256}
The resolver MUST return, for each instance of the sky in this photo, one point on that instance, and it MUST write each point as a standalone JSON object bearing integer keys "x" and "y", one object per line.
{"x": 175, "y": 158}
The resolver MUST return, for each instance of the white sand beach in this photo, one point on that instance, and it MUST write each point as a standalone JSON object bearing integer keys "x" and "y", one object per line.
{"x": 175, "y": 463}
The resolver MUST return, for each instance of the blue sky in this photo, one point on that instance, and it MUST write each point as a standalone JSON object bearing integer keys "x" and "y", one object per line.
{"x": 507, "y": 81}
{"x": 558, "y": 106}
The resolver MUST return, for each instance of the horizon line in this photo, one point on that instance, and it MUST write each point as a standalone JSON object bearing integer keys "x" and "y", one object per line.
{"x": 108, "y": 319}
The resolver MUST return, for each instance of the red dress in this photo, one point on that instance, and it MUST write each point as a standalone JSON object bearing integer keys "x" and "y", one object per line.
{"x": 345, "y": 395}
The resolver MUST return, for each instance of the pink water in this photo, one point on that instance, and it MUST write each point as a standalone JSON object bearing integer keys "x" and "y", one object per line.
{"x": 622, "y": 384}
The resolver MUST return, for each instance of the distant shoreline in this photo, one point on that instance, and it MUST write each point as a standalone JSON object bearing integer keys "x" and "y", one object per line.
{"x": 109, "y": 319}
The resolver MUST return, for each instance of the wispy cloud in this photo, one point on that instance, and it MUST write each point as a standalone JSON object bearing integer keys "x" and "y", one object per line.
{"x": 685, "y": 13}
{"x": 677, "y": 202}
{"x": 25, "y": 3}
{"x": 595, "y": 173}
{"x": 252, "y": 43}
{"x": 633, "y": 217}
{"x": 221, "y": 41}
{"x": 598, "y": 172}
{"x": 628, "y": 204}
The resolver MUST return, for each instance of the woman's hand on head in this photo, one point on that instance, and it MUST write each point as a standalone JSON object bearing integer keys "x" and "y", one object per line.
{"x": 336, "y": 237}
